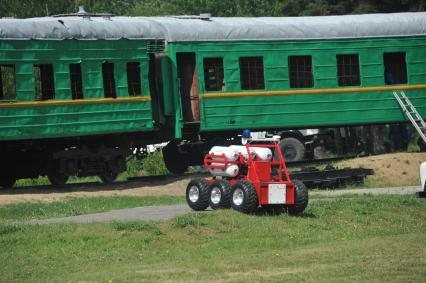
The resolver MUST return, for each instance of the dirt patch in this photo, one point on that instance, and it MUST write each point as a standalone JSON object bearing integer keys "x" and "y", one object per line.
{"x": 168, "y": 186}
{"x": 396, "y": 169}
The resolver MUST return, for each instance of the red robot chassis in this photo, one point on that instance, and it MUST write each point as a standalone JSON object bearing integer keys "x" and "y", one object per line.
{"x": 258, "y": 182}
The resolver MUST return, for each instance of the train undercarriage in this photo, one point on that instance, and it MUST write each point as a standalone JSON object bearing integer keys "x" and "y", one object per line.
{"x": 103, "y": 156}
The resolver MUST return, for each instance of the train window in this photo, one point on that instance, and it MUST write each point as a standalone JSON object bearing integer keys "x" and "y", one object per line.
{"x": 44, "y": 82}
{"x": 213, "y": 74}
{"x": 348, "y": 70}
{"x": 395, "y": 68}
{"x": 7, "y": 82}
{"x": 251, "y": 73}
{"x": 300, "y": 71}
{"x": 134, "y": 78}
{"x": 109, "y": 80}
{"x": 76, "y": 81}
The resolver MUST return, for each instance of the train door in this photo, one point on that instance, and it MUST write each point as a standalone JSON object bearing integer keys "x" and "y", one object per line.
{"x": 156, "y": 88}
{"x": 188, "y": 84}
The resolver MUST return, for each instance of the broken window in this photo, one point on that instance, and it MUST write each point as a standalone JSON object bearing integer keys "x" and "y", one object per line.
{"x": 300, "y": 71}
{"x": 251, "y": 73}
{"x": 109, "y": 80}
{"x": 7, "y": 82}
{"x": 213, "y": 74}
{"x": 134, "y": 78}
{"x": 348, "y": 70}
{"x": 44, "y": 82}
{"x": 395, "y": 68}
{"x": 76, "y": 81}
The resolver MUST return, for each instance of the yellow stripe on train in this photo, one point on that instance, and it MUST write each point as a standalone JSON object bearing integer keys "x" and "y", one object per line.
{"x": 313, "y": 91}
{"x": 71, "y": 102}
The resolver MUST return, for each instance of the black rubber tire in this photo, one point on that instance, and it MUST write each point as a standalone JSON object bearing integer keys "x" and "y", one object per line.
{"x": 108, "y": 176}
{"x": 57, "y": 179}
{"x": 301, "y": 199}
{"x": 292, "y": 149}
{"x": 7, "y": 182}
{"x": 250, "y": 201}
{"x": 202, "y": 202}
{"x": 174, "y": 161}
{"x": 225, "y": 194}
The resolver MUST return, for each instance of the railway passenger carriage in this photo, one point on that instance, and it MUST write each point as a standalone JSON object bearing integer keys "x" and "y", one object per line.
{"x": 276, "y": 73}
{"x": 79, "y": 90}
{"x": 71, "y": 88}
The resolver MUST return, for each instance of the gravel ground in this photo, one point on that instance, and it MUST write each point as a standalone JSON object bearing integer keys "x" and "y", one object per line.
{"x": 148, "y": 213}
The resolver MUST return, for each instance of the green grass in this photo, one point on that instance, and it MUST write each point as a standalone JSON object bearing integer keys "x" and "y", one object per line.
{"x": 78, "y": 206}
{"x": 362, "y": 239}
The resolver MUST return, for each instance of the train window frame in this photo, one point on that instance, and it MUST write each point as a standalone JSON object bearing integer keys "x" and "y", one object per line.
{"x": 108, "y": 78}
{"x": 7, "y": 82}
{"x": 134, "y": 82}
{"x": 348, "y": 70}
{"x": 252, "y": 73}
{"x": 214, "y": 77}
{"x": 395, "y": 67}
{"x": 76, "y": 81}
{"x": 300, "y": 71}
{"x": 44, "y": 84}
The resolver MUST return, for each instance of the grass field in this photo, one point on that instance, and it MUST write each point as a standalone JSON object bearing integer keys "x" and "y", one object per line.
{"x": 357, "y": 239}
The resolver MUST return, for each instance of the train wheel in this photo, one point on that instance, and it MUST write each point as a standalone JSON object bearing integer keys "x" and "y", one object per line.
{"x": 219, "y": 194}
{"x": 175, "y": 162}
{"x": 7, "y": 181}
{"x": 292, "y": 149}
{"x": 197, "y": 194}
{"x": 108, "y": 176}
{"x": 300, "y": 199}
{"x": 244, "y": 197}
{"x": 57, "y": 178}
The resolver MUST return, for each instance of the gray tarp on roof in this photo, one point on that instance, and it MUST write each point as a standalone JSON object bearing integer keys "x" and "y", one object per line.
{"x": 175, "y": 29}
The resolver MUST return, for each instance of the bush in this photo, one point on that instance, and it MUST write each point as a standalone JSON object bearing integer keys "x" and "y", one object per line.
{"x": 153, "y": 164}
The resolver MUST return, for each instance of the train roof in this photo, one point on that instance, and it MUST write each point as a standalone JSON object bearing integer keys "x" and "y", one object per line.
{"x": 194, "y": 28}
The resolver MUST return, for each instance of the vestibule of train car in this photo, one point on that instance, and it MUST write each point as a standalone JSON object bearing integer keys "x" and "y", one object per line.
{"x": 156, "y": 87}
{"x": 188, "y": 84}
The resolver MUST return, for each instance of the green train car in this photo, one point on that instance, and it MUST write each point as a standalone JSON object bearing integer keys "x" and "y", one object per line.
{"x": 79, "y": 90}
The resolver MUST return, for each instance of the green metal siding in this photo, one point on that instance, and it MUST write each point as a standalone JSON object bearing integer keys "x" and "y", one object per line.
{"x": 74, "y": 120}
{"x": 308, "y": 110}
{"x": 91, "y": 117}
{"x": 296, "y": 111}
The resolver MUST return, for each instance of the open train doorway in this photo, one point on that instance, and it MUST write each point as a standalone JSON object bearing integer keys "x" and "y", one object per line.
{"x": 188, "y": 84}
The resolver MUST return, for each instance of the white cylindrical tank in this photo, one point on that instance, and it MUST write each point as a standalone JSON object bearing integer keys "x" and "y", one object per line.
{"x": 230, "y": 153}
{"x": 241, "y": 149}
{"x": 264, "y": 154}
{"x": 230, "y": 171}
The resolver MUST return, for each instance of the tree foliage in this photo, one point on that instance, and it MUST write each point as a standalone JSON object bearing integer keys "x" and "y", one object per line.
{"x": 254, "y": 8}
